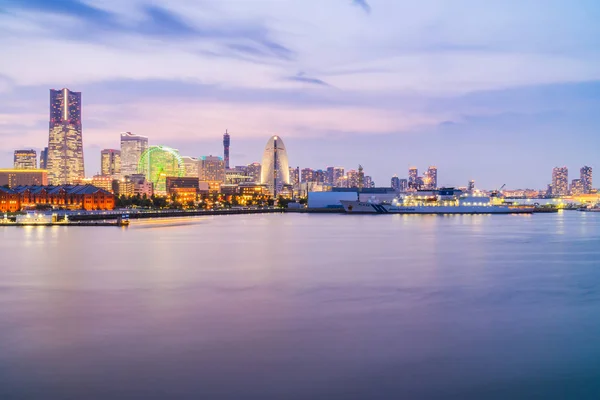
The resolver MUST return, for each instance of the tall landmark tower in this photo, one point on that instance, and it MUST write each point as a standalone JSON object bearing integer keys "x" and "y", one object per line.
{"x": 65, "y": 143}
{"x": 275, "y": 171}
{"x": 226, "y": 143}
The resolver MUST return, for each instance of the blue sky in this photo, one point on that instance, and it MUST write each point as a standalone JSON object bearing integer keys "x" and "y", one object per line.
{"x": 499, "y": 92}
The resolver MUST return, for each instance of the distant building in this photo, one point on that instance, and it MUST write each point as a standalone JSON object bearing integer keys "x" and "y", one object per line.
{"x": 361, "y": 177}
{"x": 430, "y": 180}
{"x": 226, "y": 144}
{"x": 110, "y": 163}
{"x": 586, "y": 179}
{"x": 307, "y": 175}
{"x": 577, "y": 187}
{"x": 191, "y": 167}
{"x": 339, "y": 177}
{"x": 103, "y": 182}
{"x": 413, "y": 174}
{"x": 212, "y": 169}
{"x": 368, "y": 182}
{"x": 132, "y": 148}
{"x": 141, "y": 185}
{"x": 237, "y": 175}
{"x": 403, "y": 185}
{"x": 560, "y": 181}
{"x": 25, "y": 159}
{"x": 19, "y": 177}
{"x": 9, "y": 200}
{"x": 471, "y": 186}
{"x": 65, "y": 143}
{"x": 275, "y": 167}
{"x": 254, "y": 171}
{"x": 352, "y": 179}
{"x": 295, "y": 177}
{"x": 44, "y": 158}
{"x": 185, "y": 189}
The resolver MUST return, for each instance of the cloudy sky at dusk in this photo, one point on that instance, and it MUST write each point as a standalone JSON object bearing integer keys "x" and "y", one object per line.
{"x": 497, "y": 91}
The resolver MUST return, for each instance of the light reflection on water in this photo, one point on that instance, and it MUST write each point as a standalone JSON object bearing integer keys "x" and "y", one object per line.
{"x": 304, "y": 307}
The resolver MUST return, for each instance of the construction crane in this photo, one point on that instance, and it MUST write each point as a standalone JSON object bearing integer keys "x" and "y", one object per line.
{"x": 497, "y": 192}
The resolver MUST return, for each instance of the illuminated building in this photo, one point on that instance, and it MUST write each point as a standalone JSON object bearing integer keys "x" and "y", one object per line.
{"x": 141, "y": 186}
{"x": 110, "y": 163}
{"x": 403, "y": 185}
{"x": 226, "y": 144}
{"x": 339, "y": 178}
{"x": 368, "y": 182}
{"x": 191, "y": 166}
{"x": 73, "y": 197}
{"x": 124, "y": 187}
{"x": 17, "y": 177}
{"x": 560, "y": 181}
{"x": 586, "y": 179}
{"x": 430, "y": 178}
{"x": 352, "y": 179}
{"x": 237, "y": 175}
{"x": 65, "y": 142}
{"x": 413, "y": 175}
{"x": 132, "y": 148}
{"x": 307, "y": 175}
{"x": 44, "y": 158}
{"x": 157, "y": 163}
{"x": 103, "y": 182}
{"x": 361, "y": 177}
{"x": 210, "y": 186}
{"x": 185, "y": 189}
{"x": 212, "y": 169}
{"x": 25, "y": 159}
{"x": 254, "y": 171}
{"x": 295, "y": 177}
{"x": 275, "y": 172}
{"x": 395, "y": 183}
{"x": 577, "y": 187}
{"x": 9, "y": 200}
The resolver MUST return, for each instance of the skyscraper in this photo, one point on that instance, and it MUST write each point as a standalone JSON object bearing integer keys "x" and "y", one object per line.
{"x": 577, "y": 186}
{"x": 110, "y": 163}
{"x": 307, "y": 175}
{"x": 275, "y": 168}
{"x": 65, "y": 142}
{"x": 44, "y": 158}
{"x": 560, "y": 181}
{"x": 338, "y": 177}
{"x": 132, "y": 148}
{"x": 191, "y": 166}
{"x": 430, "y": 178}
{"x": 413, "y": 175}
{"x": 395, "y": 183}
{"x": 212, "y": 169}
{"x": 25, "y": 159}
{"x": 226, "y": 143}
{"x": 254, "y": 171}
{"x": 361, "y": 177}
{"x": 586, "y": 178}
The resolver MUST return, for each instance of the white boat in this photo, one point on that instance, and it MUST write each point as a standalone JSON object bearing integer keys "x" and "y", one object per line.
{"x": 442, "y": 201}
{"x": 34, "y": 218}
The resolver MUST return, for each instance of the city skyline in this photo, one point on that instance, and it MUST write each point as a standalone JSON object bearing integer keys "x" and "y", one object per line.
{"x": 445, "y": 89}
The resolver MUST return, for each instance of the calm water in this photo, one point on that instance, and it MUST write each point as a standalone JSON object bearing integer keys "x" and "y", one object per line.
{"x": 304, "y": 307}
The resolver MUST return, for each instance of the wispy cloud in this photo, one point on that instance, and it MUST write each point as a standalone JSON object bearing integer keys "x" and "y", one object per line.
{"x": 362, "y": 4}
{"x": 302, "y": 77}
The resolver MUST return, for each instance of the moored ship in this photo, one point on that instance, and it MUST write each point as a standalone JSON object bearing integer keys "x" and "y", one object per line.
{"x": 442, "y": 201}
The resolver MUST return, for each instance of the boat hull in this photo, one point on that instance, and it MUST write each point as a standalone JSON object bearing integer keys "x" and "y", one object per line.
{"x": 359, "y": 207}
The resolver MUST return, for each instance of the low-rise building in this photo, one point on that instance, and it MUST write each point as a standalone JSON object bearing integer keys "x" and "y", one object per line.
{"x": 9, "y": 200}
{"x": 18, "y": 177}
{"x": 73, "y": 197}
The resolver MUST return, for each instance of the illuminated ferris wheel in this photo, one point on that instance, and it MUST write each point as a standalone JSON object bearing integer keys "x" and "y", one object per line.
{"x": 159, "y": 162}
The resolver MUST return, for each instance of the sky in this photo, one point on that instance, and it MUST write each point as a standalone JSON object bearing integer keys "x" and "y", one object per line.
{"x": 496, "y": 91}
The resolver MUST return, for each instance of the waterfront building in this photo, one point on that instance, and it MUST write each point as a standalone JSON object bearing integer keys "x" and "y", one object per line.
{"x": 413, "y": 174}
{"x": 157, "y": 163}
{"x": 307, "y": 175}
{"x": 132, "y": 148}
{"x": 183, "y": 189}
{"x": 339, "y": 177}
{"x": 65, "y": 140}
{"x": 430, "y": 178}
{"x": 586, "y": 179}
{"x": 123, "y": 187}
{"x": 352, "y": 179}
{"x": 212, "y": 169}
{"x": 226, "y": 144}
{"x": 9, "y": 200}
{"x": 110, "y": 163}
{"x": 254, "y": 171}
{"x": 361, "y": 177}
{"x": 44, "y": 158}
{"x": 25, "y": 159}
{"x": 275, "y": 172}
{"x": 72, "y": 197}
{"x": 295, "y": 177}
{"x": 560, "y": 181}
{"x": 142, "y": 186}
{"x": 237, "y": 175}
{"x": 403, "y": 185}
{"x": 191, "y": 167}
{"x": 103, "y": 182}
{"x": 368, "y": 182}
{"x": 17, "y": 177}
{"x": 471, "y": 186}
{"x": 395, "y": 183}
{"x": 577, "y": 187}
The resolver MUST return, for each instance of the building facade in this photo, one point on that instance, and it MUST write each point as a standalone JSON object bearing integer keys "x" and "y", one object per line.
{"x": 275, "y": 166}
{"x": 226, "y": 144}
{"x": 65, "y": 141}
{"x": 191, "y": 167}
{"x": 110, "y": 163}
{"x": 430, "y": 179}
{"x": 25, "y": 159}
{"x": 44, "y": 158}
{"x": 72, "y": 197}
{"x": 586, "y": 179}
{"x": 212, "y": 169}
{"x": 17, "y": 177}
{"x": 254, "y": 171}
{"x": 560, "y": 181}
{"x": 132, "y": 148}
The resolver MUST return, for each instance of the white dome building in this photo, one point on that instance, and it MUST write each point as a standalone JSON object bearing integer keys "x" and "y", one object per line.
{"x": 275, "y": 171}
